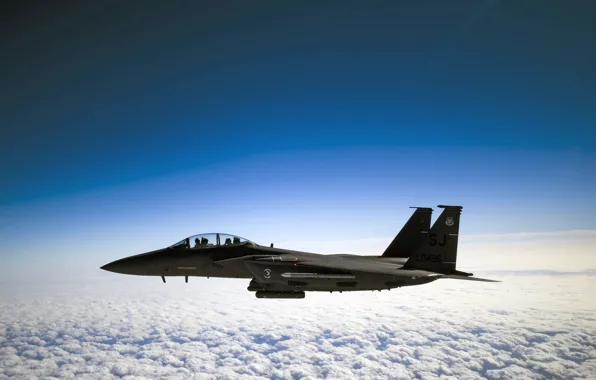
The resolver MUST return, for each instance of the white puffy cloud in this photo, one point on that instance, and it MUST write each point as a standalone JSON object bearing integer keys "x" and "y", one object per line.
{"x": 529, "y": 326}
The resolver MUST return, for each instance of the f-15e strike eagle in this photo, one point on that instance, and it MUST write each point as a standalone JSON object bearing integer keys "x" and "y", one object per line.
{"x": 419, "y": 254}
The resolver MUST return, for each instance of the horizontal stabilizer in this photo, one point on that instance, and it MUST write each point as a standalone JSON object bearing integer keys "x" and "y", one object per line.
{"x": 468, "y": 278}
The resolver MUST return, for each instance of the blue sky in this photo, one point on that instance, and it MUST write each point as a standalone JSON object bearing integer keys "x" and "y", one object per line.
{"x": 279, "y": 121}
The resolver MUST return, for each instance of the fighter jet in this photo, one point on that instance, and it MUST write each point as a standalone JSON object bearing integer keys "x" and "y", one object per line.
{"x": 419, "y": 254}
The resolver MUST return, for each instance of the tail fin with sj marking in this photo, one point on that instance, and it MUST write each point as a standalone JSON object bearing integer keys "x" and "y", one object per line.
{"x": 412, "y": 235}
{"x": 438, "y": 253}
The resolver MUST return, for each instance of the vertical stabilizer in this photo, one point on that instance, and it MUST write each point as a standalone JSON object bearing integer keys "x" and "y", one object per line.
{"x": 439, "y": 252}
{"x": 412, "y": 235}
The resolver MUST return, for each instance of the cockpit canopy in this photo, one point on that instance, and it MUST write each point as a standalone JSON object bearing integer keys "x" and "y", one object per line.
{"x": 211, "y": 240}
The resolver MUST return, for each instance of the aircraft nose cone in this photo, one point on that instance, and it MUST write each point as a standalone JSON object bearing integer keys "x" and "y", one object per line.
{"x": 142, "y": 264}
{"x": 123, "y": 266}
{"x": 112, "y": 267}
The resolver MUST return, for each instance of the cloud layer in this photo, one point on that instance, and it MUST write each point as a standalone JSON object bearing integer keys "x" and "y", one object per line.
{"x": 526, "y": 327}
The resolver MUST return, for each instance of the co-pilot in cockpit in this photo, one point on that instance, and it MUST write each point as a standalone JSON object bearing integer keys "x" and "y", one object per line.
{"x": 210, "y": 240}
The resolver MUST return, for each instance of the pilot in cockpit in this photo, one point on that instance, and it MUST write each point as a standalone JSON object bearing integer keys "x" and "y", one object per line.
{"x": 197, "y": 243}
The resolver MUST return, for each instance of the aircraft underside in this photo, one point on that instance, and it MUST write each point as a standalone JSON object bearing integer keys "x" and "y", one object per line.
{"x": 297, "y": 289}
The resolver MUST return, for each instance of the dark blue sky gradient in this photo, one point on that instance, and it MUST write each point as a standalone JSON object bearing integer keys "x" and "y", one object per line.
{"x": 101, "y": 94}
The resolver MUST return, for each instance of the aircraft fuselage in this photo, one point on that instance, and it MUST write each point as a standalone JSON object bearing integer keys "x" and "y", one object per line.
{"x": 272, "y": 269}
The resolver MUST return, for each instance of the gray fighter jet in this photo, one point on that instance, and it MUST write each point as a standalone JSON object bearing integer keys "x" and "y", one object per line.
{"x": 419, "y": 254}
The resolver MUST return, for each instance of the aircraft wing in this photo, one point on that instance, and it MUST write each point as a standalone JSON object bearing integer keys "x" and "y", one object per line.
{"x": 375, "y": 266}
{"x": 372, "y": 265}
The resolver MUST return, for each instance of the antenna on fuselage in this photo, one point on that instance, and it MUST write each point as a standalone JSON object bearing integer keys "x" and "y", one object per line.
{"x": 163, "y": 279}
